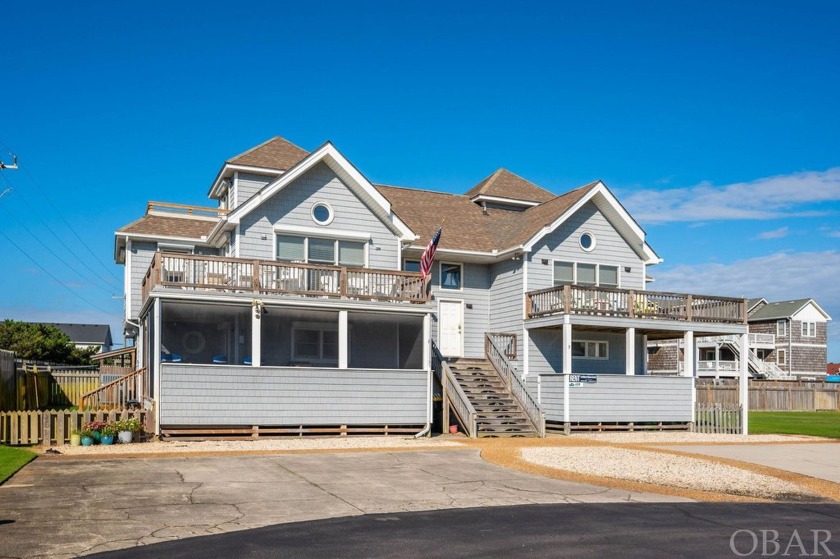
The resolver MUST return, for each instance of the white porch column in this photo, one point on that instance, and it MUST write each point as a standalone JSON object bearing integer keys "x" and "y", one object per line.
{"x": 157, "y": 339}
{"x": 689, "y": 361}
{"x": 342, "y": 339}
{"x": 256, "y": 335}
{"x": 630, "y": 351}
{"x": 567, "y": 369}
{"x": 427, "y": 338}
{"x": 744, "y": 387}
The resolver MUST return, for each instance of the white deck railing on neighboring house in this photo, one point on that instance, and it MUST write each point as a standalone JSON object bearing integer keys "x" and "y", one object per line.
{"x": 266, "y": 277}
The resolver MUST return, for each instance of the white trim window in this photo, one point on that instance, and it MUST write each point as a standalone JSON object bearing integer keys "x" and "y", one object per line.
{"x": 451, "y": 276}
{"x": 781, "y": 357}
{"x": 590, "y": 349}
{"x": 781, "y": 327}
{"x": 317, "y": 250}
{"x": 582, "y": 273}
{"x": 809, "y": 329}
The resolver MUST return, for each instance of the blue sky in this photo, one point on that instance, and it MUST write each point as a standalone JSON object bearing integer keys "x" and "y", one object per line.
{"x": 715, "y": 123}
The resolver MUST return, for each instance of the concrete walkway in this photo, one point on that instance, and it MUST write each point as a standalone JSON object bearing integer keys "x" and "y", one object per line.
{"x": 821, "y": 460}
{"x": 65, "y": 508}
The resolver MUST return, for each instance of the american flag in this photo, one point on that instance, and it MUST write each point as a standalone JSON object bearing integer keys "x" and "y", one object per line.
{"x": 429, "y": 256}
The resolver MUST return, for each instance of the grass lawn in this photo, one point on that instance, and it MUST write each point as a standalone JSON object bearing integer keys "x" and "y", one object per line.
{"x": 12, "y": 459}
{"x": 818, "y": 424}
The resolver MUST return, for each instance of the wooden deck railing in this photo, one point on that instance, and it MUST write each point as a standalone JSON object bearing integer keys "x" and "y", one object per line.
{"x": 605, "y": 301}
{"x": 505, "y": 342}
{"x": 264, "y": 277}
{"x": 529, "y": 405}
{"x": 118, "y": 393}
{"x": 454, "y": 396}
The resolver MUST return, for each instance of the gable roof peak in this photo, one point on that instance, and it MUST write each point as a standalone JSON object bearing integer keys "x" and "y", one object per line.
{"x": 274, "y": 153}
{"x": 504, "y": 184}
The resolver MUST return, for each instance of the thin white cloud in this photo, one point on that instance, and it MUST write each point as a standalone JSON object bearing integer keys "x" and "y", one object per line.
{"x": 777, "y": 277}
{"x": 774, "y": 197}
{"x": 779, "y": 233}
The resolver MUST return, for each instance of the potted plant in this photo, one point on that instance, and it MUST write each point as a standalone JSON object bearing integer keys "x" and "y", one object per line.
{"x": 87, "y": 436}
{"x": 127, "y": 427}
{"x": 96, "y": 429}
{"x": 76, "y": 437}
{"x": 108, "y": 433}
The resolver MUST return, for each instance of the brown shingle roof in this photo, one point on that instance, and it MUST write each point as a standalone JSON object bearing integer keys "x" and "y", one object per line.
{"x": 504, "y": 184}
{"x": 276, "y": 153}
{"x": 165, "y": 226}
{"x": 465, "y": 226}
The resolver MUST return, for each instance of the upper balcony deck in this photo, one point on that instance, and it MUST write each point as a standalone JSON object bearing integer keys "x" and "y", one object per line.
{"x": 269, "y": 277}
{"x": 627, "y": 303}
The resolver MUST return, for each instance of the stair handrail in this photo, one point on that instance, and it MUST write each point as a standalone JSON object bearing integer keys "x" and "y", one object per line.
{"x": 452, "y": 392}
{"x": 517, "y": 389}
{"x": 133, "y": 387}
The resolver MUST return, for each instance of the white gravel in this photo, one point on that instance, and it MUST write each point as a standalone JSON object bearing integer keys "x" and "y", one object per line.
{"x": 327, "y": 443}
{"x": 660, "y": 469}
{"x": 672, "y": 437}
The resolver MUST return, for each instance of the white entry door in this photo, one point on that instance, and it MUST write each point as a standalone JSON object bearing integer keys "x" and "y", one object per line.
{"x": 451, "y": 328}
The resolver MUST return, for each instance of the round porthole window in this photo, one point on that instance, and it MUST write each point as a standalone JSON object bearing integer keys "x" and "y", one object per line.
{"x": 322, "y": 214}
{"x": 587, "y": 241}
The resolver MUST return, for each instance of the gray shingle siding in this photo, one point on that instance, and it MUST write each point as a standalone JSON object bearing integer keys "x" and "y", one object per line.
{"x": 506, "y": 300}
{"x": 292, "y": 206}
{"x": 142, "y": 253}
{"x": 248, "y": 184}
{"x": 563, "y": 244}
{"x": 219, "y": 395}
{"x": 619, "y": 398}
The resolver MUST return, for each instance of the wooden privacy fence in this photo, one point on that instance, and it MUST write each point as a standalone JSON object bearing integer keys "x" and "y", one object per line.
{"x": 54, "y": 427}
{"x": 775, "y": 398}
{"x": 8, "y": 381}
{"x": 717, "y": 418}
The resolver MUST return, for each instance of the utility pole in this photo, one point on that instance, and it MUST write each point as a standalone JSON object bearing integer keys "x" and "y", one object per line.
{"x": 13, "y": 166}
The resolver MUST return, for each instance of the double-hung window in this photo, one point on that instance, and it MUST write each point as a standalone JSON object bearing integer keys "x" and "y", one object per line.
{"x": 809, "y": 329}
{"x": 590, "y": 349}
{"x": 580, "y": 273}
{"x": 316, "y": 250}
{"x": 781, "y": 328}
{"x": 315, "y": 345}
{"x": 450, "y": 276}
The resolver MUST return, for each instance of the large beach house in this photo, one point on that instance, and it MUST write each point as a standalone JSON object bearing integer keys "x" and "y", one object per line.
{"x": 294, "y": 305}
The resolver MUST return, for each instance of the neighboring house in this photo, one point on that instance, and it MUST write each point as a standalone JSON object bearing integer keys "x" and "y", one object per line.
{"x": 85, "y": 336}
{"x": 788, "y": 340}
{"x": 296, "y": 305}
{"x": 832, "y": 369}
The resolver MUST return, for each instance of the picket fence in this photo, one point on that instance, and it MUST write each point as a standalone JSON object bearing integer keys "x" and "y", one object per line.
{"x": 717, "y": 418}
{"x": 54, "y": 427}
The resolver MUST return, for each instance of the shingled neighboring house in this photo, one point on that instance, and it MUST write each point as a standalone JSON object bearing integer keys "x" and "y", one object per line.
{"x": 788, "y": 340}
{"x": 85, "y": 336}
{"x": 295, "y": 305}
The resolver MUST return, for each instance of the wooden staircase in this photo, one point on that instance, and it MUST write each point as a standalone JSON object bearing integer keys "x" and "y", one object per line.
{"x": 498, "y": 414}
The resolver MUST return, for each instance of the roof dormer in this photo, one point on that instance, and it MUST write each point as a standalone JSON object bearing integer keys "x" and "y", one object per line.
{"x": 507, "y": 191}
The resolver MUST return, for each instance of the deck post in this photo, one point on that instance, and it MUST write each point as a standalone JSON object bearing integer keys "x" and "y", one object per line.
{"x": 256, "y": 334}
{"x": 688, "y": 354}
{"x": 343, "y": 332}
{"x": 743, "y": 384}
{"x": 567, "y": 371}
{"x": 630, "y": 351}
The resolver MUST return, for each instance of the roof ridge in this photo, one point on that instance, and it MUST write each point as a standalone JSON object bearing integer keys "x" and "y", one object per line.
{"x": 411, "y": 188}
{"x": 254, "y": 148}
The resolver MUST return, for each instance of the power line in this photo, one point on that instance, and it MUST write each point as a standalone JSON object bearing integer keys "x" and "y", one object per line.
{"x": 107, "y": 288}
{"x": 54, "y": 234}
{"x": 59, "y": 214}
{"x": 65, "y": 286}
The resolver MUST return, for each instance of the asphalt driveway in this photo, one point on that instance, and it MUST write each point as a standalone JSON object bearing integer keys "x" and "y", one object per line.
{"x": 64, "y": 508}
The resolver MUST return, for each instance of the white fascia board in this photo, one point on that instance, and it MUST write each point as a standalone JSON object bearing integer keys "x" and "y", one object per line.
{"x": 500, "y": 200}
{"x": 322, "y": 232}
{"x": 146, "y": 237}
{"x": 220, "y": 228}
{"x": 229, "y": 168}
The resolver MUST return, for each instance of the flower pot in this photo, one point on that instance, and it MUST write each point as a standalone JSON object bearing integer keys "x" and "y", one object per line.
{"x": 87, "y": 441}
{"x": 75, "y": 440}
{"x": 97, "y": 436}
{"x": 107, "y": 439}
{"x": 453, "y": 429}
{"x": 125, "y": 436}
